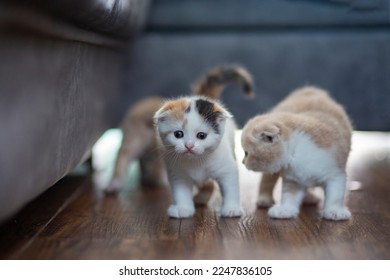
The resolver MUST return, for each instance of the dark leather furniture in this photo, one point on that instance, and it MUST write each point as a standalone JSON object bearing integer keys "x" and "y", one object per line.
{"x": 61, "y": 73}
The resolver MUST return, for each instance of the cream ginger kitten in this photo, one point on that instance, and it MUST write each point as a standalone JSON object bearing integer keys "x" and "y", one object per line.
{"x": 197, "y": 137}
{"x": 139, "y": 142}
{"x": 306, "y": 140}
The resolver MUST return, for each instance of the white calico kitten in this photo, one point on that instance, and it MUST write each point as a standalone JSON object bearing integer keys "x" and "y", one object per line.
{"x": 306, "y": 139}
{"x": 139, "y": 134}
{"x": 197, "y": 136}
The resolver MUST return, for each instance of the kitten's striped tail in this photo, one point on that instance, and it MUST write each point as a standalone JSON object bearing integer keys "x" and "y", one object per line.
{"x": 215, "y": 81}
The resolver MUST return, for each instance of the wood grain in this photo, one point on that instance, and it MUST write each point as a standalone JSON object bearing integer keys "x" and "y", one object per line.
{"x": 75, "y": 220}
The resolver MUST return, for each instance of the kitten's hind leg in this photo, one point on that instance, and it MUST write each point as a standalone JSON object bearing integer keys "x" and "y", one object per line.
{"x": 292, "y": 196}
{"x": 334, "y": 208}
{"x": 183, "y": 206}
{"x": 267, "y": 185}
{"x": 153, "y": 170}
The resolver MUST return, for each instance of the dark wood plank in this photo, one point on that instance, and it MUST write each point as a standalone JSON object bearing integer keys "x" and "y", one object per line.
{"x": 29, "y": 223}
{"x": 75, "y": 220}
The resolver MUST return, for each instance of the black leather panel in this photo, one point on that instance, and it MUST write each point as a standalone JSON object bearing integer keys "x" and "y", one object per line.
{"x": 112, "y": 17}
{"x": 56, "y": 99}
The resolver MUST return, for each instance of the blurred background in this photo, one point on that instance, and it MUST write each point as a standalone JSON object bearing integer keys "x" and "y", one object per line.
{"x": 70, "y": 69}
{"x": 340, "y": 45}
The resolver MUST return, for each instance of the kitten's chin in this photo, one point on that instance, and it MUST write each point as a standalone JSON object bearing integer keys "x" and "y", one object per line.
{"x": 187, "y": 154}
{"x": 272, "y": 169}
{"x": 255, "y": 169}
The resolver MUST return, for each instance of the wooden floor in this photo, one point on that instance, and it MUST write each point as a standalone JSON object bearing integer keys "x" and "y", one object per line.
{"x": 74, "y": 220}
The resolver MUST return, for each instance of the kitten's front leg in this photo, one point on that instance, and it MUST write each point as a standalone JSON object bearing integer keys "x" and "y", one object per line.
{"x": 183, "y": 206}
{"x": 120, "y": 171}
{"x": 231, "y": 194}
{"x": 334, "y": 208}
{"x": 267, "y": 185}
{"x": 131, "y": 148}
{"x": 292, "y": 196}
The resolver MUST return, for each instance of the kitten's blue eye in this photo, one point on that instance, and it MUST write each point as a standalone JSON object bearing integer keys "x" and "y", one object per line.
{"x": 201, "y": 135}
{"x": 178, "y": 134}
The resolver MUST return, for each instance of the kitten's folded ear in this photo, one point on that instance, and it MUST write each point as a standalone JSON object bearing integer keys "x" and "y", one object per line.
{"x": 222, "y": 113}
{"x": 222, "y": 116}
{"x": 225, "y": 114}
{"x": 270, "y": 135}
{"x": 160, "y": 115}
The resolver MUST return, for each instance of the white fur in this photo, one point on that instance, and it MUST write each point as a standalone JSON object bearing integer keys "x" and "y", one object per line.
{"x": 213, "y": 158}
{"x": 304, "y": 165}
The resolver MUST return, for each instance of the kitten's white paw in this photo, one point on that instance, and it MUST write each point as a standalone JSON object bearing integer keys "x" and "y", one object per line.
{"x": 231, "y": 211}
{"x": 179, "y": 211}
{"x": 336, "y": 214}
{"x": 283, "y": 212}
{"x": 265, "y": 201}
{"x": 114, "y": 186}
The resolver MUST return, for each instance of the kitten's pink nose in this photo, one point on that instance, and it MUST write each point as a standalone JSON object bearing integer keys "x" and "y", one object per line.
{"x": 189, "y": 145}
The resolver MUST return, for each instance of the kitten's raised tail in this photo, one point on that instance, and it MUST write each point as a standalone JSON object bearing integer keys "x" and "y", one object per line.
{"x": 214, "y": 82}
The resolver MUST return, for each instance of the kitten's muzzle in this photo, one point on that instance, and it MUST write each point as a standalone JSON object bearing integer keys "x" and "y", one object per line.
{"x": 252, "y": 164}
{"x": 189, "y": 146}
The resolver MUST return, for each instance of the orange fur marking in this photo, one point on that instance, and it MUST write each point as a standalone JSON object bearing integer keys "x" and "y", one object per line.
{"x": 176, "y": 108}
{"x": 218, "y": 108}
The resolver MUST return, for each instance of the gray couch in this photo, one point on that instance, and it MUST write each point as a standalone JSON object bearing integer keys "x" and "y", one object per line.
{"x": 341, "y": 45}
{"x": 61, "y": 71}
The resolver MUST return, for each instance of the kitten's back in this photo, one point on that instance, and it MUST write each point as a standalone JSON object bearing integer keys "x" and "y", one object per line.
{"x": 310, "y": 99}
{"x": 312, "y": 110}
{"x": 142, "y": 111}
